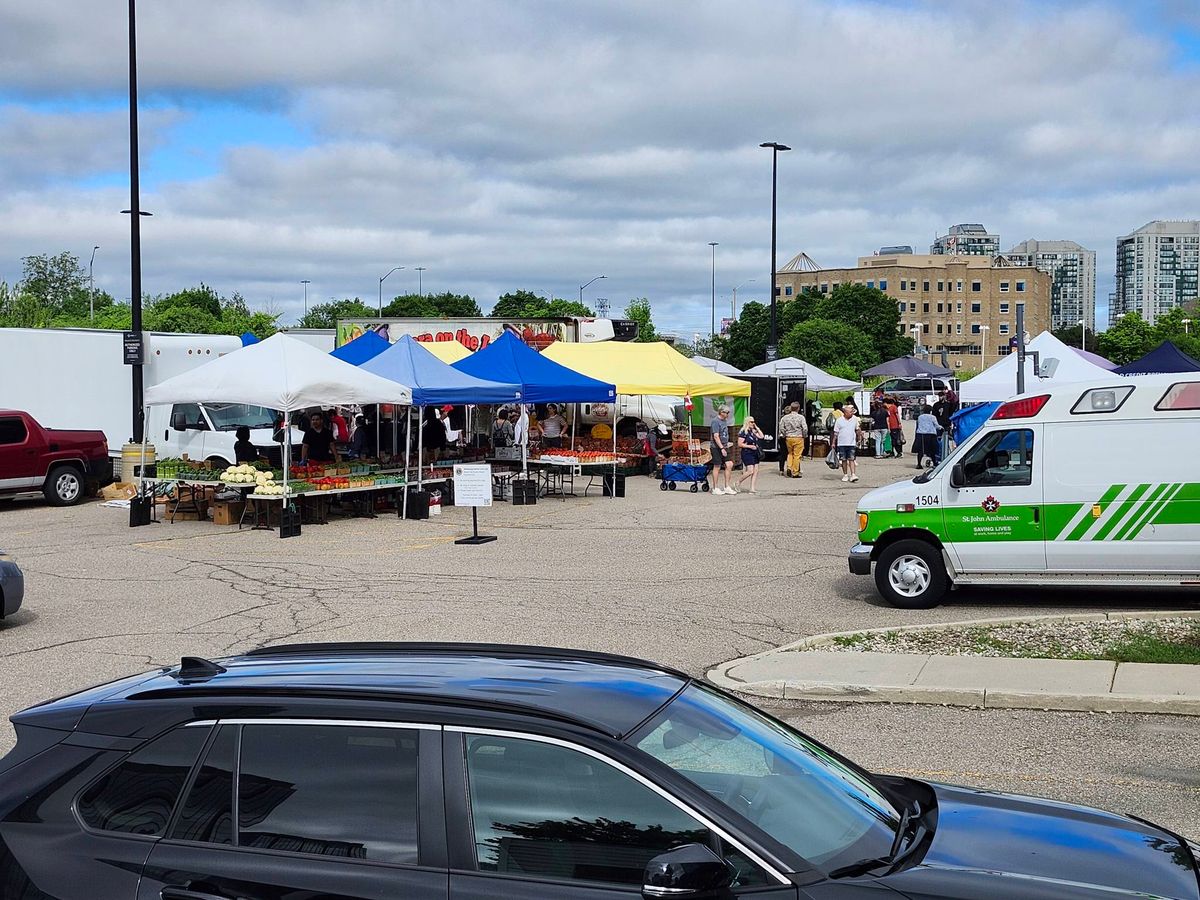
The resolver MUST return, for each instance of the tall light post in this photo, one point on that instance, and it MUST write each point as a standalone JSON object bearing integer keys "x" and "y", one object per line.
{"x": 712, "y": 330}
{"x": 135, "y": 234}
{"x": 381, "y": 279}
{"x": 733, "y": 305}
{"x": 306, "y": 283}
{"x": 420, "y": 283}
{"x": 92, "y": 287}
{"x": 1187, "y": 325}
{"x": 776, "y": 149}
{"x": 582, "y": 286}
{"x": 915, "y": 328}
{"x": 1082, "y": 335}
{"x": 984, "y": 329}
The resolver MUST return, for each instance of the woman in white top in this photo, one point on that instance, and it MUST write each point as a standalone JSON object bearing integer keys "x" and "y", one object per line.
{"x": 845, "y": 441}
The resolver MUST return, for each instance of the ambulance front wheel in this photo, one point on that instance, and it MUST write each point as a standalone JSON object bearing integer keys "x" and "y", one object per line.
{"x": 910, "y": 574}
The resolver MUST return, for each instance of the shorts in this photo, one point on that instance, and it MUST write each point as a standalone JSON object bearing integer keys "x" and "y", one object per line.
{"x": 719, "y": 457}
{"x": 845, "y": 454}
{"x": 749, "y": 457}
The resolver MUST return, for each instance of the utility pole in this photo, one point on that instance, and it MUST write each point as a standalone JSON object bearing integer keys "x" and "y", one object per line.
{"x": 420, "y": 285}
{"x": 306, "y": 283}
{"x": 773, "y": 340}
{"x": 712, "y": 331}
{"x": 92, "y": 287}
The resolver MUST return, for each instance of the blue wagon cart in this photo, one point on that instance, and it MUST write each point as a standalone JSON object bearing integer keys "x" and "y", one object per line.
{"x": 695, "y": 474}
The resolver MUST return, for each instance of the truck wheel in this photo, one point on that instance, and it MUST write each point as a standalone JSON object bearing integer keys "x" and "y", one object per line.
{"x": 64, "y": 486}
{"x": 910, "y": 575}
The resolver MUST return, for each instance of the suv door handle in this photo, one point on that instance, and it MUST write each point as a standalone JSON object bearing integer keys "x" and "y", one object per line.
{"x": 1037, "y": 514}
{"x": 178, "y": 892}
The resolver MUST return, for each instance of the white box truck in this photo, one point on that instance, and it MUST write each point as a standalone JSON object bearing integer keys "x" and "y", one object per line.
{"x": 75, "y": 378}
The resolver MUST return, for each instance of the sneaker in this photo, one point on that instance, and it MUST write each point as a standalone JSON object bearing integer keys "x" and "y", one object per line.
{"x": 854, "y": 478}
{"x": 845, "y": 478}
{"x": 730, "y": 491}
{"x": 718, "y": 491}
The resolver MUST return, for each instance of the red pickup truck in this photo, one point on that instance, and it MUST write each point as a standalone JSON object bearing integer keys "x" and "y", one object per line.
{"x": 64, "y": 465}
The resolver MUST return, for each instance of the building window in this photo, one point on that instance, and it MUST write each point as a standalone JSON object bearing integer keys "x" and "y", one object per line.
{"x": 787, "y": 291}
{"x": 824, "y": 287}
{"x": 939, "y": 328}
{"x": 924, "y": 307}
{"x": 1020, "y": 287}
{"x": 976, "y": 306}
{"x": 959, "y": 308}
{"x": 976, "y": 287}
{"x": 901, "y": 306}
{"x": 1004, "y": 287}
{"x": 958, "y": 328}
{"x": 925, "y": 286}
{"x": 871, "y": 283}
{"x": 941, "y": 285}
{"x": 959, "y": 285}
{"x": 925, "y": 328}
{"x": 903, "y": 285}
{"x": 1003, "y": 309}
{"x": 976, "y": 328}
{"x": 940, "y": 305}
{"x": 1004, "y": 328}
{"x": 777, "y": 290}
{"x": 883, "y": 284}
{"x": 912, "y": 307}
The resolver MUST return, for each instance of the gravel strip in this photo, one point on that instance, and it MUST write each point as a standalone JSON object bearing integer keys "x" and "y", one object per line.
{"x": 1053, "y": 640}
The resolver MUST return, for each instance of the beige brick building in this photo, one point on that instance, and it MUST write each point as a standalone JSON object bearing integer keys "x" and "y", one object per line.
{"x": 966, "y": 305}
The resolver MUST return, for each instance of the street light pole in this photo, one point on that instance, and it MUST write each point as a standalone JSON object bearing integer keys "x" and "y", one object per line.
{"x": 92, "y": 287}
{"x": 420, "y": 284}
{"x": 1082, "y": 335}
{"x": 393, "y": 269}
{"x": 776, "y": 147}
{"x": 582, "y": 286}
{"x": 135, "y": 228}
{"x": 306, "y": 283}
{"x": 712, "y": 332}
{"x": 733, "y": 306}
{"x": 984, "y": 329}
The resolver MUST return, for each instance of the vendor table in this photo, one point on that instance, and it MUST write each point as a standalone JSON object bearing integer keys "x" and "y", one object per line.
{"x": 555, "y": 475}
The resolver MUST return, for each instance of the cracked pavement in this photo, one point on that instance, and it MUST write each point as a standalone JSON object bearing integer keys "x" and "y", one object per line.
{"x": 690, "y": 580}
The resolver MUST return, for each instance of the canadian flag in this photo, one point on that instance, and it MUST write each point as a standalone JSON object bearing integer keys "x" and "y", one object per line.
{"x": 687, "y": 402}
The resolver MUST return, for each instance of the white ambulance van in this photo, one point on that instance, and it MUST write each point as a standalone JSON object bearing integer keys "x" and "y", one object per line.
{"x": 1088, "y": 483}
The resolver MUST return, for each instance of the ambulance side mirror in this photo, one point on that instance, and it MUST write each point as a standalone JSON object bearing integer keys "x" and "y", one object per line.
{"x": 958, "y": 477}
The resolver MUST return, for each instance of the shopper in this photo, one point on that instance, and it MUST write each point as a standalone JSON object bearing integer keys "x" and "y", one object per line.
{"x": 926, "y": 442}
{"x": 894, "y": 426}
{"x": 243, "y": 450}
{"x": 845, "y": 439}
{"x": 722, "y": 455}
{"x": 793, "y": 430}
{"x": 318, "y": 445}
{"x": 749, "y": 444}
{"x": 502, "y": 430}
{"x": 433, "y": 436}
{"x": 359, "y": 438}
{"x": 879, "y": 426}
{"x": 337, "y": 425}
{"x": 553, "y": 426}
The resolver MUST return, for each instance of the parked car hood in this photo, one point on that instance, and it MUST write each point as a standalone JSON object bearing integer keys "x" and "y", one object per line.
{"x": 991, "y": 844}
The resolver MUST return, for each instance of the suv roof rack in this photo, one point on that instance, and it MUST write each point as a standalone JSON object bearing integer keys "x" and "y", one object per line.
{"x": 404, "y": 648}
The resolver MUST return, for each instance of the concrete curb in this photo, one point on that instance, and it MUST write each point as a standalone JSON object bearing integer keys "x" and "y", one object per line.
{"x": 977, "y": 698}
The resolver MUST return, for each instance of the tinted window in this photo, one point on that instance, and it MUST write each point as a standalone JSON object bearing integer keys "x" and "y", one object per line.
{"x": 1001, "y": 457}
{"x": 207, "y": 813}
{"x": 553, "y": 812}
{"x": 12, "y": 431}
{"x": 138, "y": 795}
{"x": 330, "y": 790}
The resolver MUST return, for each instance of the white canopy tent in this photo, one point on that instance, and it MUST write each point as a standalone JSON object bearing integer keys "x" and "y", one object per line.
{"x": 816, "y": 378}
{"x": 280, "y": 373}
{"x": 999, "y": 381}
{"x": 715, "y": 365}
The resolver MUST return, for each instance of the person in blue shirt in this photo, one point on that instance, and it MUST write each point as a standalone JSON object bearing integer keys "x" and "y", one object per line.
{"x": 749, "y": 439}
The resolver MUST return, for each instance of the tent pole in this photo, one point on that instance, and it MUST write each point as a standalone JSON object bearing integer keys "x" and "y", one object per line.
{"x": 287, "y": 464}
{"x": 420, "y": 448}
{"x": 574, "y": 425}
{"x": 407, "y": 458}
{"x": 613, "y": 492}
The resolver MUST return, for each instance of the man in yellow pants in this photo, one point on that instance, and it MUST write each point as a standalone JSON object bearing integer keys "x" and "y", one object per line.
{"x": 793, "y": 429}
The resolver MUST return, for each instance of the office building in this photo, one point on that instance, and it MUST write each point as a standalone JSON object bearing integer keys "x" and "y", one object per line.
{"x": 965, "y": 305}
{"x": 1072, "y": 271}
{"x": 1157, "y": 269}
{"x": 966, "y": 240}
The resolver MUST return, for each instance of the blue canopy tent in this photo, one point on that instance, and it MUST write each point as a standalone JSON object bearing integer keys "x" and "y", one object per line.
{"x": 970, "y": 419}
{"x": 1166, "y": 357}
{"x": 249, "y": 338}
{"x": 508, "y": 360}
{"x": 365, "y": 347}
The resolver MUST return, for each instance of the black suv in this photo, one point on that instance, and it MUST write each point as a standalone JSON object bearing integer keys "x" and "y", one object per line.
{"x": 472, "y": 771}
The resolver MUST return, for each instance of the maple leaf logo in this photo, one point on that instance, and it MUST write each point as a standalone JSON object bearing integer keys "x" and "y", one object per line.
{"x": 990, "y": 505}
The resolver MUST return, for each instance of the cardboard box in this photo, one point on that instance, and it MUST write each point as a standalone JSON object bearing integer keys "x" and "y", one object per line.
{"x": 186, "y": 511}
{"x": 122, "y": 490}
{"x": 228, "y": 512}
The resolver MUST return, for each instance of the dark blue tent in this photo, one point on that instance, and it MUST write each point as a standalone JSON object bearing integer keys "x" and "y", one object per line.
{"x": 908, "y": 367}
{"x": 432, "y": 381}
{"x": 507, "y": 359}
{"x": 249, "y": 338}
{"x": 1166, "y": 357}
{"x": 366, "y": 346}
{"x": 970, "y": 419}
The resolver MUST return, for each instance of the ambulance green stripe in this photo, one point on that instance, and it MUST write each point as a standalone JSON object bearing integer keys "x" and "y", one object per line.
{"x": 1119, "y": 514}
{"x": 1158, "y": 507}
{"x": 1087, "y": 521}
{"x": 1145, "y": 510}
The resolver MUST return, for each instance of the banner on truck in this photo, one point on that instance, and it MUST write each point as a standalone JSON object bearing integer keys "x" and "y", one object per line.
{"x": 472, "y": 335}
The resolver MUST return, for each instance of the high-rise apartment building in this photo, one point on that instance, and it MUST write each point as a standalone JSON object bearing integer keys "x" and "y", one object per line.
{"x": 1157, "y": 268}
{"x": 966, "y": 240}
{"x": 965, "y": 305}
{"x": 1072, "y": 271}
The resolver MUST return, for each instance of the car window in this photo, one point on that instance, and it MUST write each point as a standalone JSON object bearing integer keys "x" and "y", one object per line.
{"x": 1000, "y": 458}
{"x": 12, "y": 431}
{"x": 547, "y": 811}
{"x": 137, "y": 796}
{"x": 329, "y": 790}
{"x": 207, "y": 813}
{"x": 192, "y": 416}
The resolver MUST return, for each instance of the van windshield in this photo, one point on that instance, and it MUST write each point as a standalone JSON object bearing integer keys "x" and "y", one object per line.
{"x": 232, "y": 416}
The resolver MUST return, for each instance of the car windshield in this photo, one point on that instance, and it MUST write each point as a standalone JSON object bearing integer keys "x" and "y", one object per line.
{"x": 797, "y": 791}
{"x": 232, "y": 416}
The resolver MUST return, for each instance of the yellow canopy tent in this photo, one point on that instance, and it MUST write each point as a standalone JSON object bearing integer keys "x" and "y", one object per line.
{"x": 448, "y": 352}
{"x": 643, "y": 369}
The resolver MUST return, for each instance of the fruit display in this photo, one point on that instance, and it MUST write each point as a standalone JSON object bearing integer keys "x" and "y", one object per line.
{"x": 582, "y": 457}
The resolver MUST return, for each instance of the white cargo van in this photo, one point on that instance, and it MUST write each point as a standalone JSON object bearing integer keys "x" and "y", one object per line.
{"x": 1089, "y": 483}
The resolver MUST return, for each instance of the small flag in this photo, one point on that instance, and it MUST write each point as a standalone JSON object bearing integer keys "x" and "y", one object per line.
{"x": 687, "y": 402}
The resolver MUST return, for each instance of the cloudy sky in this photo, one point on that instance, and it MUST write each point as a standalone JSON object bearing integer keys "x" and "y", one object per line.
{"x": 524, "y": 144}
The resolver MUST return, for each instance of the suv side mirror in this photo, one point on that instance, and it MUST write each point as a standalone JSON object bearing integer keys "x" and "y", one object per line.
{"x": 958, "y": 477}
{"x": 179, "y": 421}
{"x": 692, "y": 870}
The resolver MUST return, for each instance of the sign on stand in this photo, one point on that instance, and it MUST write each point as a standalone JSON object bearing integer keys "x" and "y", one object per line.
{"x": 473, "y": 488}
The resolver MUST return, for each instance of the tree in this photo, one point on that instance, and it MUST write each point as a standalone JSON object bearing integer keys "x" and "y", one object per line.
{"x": 325, "y": 315}
{"x": 826, "y": 343}
{"x": 1181, "y": 327}
{"x": 1129, "y": 339}
{"x": 202, "y": 298}
{"x": 746, "y": 345}
{"x": 639, "y": 310}
{"x": 1072, "y": 336}
{"x": 56, "y": 282}
{"x": 528, "y": 305}
{"x": 869, "y": 310}
{"x": 433, "y": 306}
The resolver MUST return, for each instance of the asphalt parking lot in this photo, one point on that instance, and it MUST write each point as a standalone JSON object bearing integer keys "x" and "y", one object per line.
{"x": 687, "y": 579}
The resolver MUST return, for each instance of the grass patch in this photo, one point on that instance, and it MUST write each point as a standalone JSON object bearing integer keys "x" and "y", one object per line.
{"x": 1151, "y": 648}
